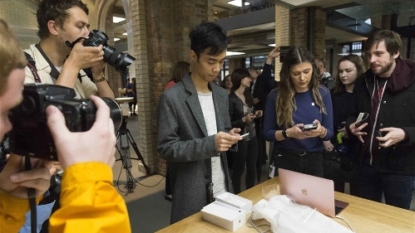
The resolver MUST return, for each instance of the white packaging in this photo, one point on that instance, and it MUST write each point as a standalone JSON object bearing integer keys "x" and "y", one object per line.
{"x": 224, "y": 215}
{"x": 235, "y": 201}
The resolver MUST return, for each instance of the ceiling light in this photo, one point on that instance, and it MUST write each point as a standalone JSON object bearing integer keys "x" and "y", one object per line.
{"x": 271, "y": 45}
{"x": 116, "y": 39}
{"x": 124, "y": 34}
{"x": 238, "y": 3}
{"x": 116, "y": 19}
{"x": 345, "y": 54}
{"x": 230, "y": 53}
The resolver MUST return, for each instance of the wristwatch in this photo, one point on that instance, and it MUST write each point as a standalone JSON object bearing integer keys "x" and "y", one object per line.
{"x": 284, "y": 134}
{"x": 101, "y": 79}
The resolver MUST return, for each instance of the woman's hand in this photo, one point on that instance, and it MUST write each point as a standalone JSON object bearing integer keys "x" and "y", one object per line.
{"x": 258, "y": 113}
{"x": 248, "y": 118}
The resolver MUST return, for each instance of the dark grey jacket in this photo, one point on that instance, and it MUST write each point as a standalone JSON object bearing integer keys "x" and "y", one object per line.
{"x": 183, "y": 141}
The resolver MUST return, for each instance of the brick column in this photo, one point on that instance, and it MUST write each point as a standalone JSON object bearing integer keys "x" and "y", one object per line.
{"x": 282, "y": 33}
{"x": 308, "y": 20}
{"x": 145, "y": 141}
{"x": 161, "y": 29}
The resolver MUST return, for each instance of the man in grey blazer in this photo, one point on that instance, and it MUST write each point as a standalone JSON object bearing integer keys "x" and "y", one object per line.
{"x": 194, "y": 129}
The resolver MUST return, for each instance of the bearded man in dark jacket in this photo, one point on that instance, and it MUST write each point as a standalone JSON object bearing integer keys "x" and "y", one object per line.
{"x": 387, "y": 93}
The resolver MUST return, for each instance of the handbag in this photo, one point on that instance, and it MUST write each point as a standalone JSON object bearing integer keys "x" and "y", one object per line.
{"x": 337, "y": 163}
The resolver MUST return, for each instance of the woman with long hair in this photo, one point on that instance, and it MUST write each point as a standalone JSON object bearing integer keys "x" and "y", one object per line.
{"x": 180, "y": 70}
{"x": 298, "y": 115}
{"x": 227, "y": 83}
{"x": 350, "y": 68}
{"x": 242, "y": 116}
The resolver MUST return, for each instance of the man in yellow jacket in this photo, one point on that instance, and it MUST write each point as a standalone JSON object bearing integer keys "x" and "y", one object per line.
{"x": 89, "y": 202}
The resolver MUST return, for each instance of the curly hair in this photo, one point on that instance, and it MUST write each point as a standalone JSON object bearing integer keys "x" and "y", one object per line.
{"x": 57, "y": 11}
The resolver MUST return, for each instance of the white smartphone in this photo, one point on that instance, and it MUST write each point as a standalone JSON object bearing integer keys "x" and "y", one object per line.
{"x": 244, "y": 135}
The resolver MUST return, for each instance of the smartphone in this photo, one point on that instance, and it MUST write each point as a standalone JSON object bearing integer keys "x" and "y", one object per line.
{"x": 362, "y": 118}
{"x": 244, "y": 135}
{"x": 380, "y": 134}
{"x": 308, "y": 127}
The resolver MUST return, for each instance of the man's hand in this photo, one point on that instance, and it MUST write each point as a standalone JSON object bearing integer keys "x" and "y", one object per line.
{"x": 224, "y": 140}
{"x": 392, "y": 137}
{"x": 15, "y": 180}
{"x": 357, "y": 131}
{"x": 82, "y": 57}
{"x": 95, "y": 145}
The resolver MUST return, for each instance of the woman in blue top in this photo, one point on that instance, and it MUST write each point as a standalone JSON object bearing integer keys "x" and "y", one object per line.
{"x": 297, "y": 102}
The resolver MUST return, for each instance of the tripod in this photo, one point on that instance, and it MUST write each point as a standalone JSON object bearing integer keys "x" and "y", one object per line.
{"x": 124, "y": 139}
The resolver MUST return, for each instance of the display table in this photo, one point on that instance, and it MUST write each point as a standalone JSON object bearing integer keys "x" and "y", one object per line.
{"x": 363, "y": 215}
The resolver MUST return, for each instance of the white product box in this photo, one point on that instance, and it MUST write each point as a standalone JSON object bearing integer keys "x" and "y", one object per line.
{"x": 224, "y": 215}
{"x": 235, "y": 201}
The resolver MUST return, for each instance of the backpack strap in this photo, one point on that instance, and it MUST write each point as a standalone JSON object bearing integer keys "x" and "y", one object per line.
{"x": 32, "y": 66}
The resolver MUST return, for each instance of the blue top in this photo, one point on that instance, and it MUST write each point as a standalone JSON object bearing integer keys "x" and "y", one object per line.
{"x": 307, "y": 111}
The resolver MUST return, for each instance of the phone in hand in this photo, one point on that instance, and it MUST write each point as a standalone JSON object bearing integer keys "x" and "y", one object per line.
{"x": 244, "y": 135}
{"x": 361, "y": 119}
{"x": 308, "y": 127}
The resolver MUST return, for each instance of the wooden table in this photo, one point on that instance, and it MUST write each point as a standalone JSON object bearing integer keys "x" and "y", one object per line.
{"x": 363, "y": 215}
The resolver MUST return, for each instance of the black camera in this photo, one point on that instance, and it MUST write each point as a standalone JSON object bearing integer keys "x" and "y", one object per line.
{"x": 113, "y": 57}
{"x": 31, "y": 135}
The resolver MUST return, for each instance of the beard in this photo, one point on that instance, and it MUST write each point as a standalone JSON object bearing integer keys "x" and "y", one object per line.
{"x": 384, "y": 69}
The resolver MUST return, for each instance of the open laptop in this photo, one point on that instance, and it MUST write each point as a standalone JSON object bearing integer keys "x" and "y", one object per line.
{"x": 313, "y": 191}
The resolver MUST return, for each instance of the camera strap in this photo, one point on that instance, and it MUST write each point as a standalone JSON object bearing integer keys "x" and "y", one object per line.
{"x": 32, "y": 66}
{"x": 54, "y": 73}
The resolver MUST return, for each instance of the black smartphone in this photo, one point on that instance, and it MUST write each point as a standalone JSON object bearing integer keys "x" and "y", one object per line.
{"x": 308, "y": 127}
{"x": 362, "y": 118}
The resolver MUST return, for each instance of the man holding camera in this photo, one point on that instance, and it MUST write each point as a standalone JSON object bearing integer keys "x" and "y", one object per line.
{"x": 89, "y": 202}
{"x": 57, "y": 63}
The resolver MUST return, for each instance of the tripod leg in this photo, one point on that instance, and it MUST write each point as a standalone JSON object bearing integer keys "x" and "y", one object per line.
{"x": 140, "y": 157}
{"x": 126, "y": 161}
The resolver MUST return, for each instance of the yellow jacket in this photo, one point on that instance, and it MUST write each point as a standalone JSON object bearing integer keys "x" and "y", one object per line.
{"x": 89, "y": 203}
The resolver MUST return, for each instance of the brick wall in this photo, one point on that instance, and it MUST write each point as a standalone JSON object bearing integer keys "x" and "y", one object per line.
{"x": 282, "y": 33}
{"x": 298, "y": 22}
{"x": 167, "y": 23}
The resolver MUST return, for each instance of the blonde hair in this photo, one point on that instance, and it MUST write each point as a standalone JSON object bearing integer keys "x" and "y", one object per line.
{"x": 11, "y": 54}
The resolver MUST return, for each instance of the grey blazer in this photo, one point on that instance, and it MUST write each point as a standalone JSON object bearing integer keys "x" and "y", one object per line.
{"x": 184, "y": 143}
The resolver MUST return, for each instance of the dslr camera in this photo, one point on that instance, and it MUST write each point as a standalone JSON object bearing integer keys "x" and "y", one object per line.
{"x": 31, "y": 135}
{"x": 113, "y": 57}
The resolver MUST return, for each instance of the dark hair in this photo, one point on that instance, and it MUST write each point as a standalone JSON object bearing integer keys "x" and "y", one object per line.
{"x": 210, "y": 37}
{"x": 237, "y": 76}
{"x": 55, "y": 10}
{"x": 360, "y": 68}
{"x": 223, "y": 83}
{"x": 285, "y": 98}
{"x": 392, "y": 40}
{"x": 180, "y": 70}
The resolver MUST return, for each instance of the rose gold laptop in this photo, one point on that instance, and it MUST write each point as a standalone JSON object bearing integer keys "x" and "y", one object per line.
{"x": 312, "y": 191}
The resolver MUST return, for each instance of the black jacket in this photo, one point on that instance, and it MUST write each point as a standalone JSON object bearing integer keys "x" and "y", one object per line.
{"x": 236, "y": 112}
{"x": 397, "y": 109}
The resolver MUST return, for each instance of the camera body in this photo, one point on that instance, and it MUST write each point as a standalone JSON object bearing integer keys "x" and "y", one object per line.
{"x": 112, "y": 56}
{"x": 31, "y": 135}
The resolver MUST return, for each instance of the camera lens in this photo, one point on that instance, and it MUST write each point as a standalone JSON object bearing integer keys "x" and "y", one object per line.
{"x": 116, "y": 58}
